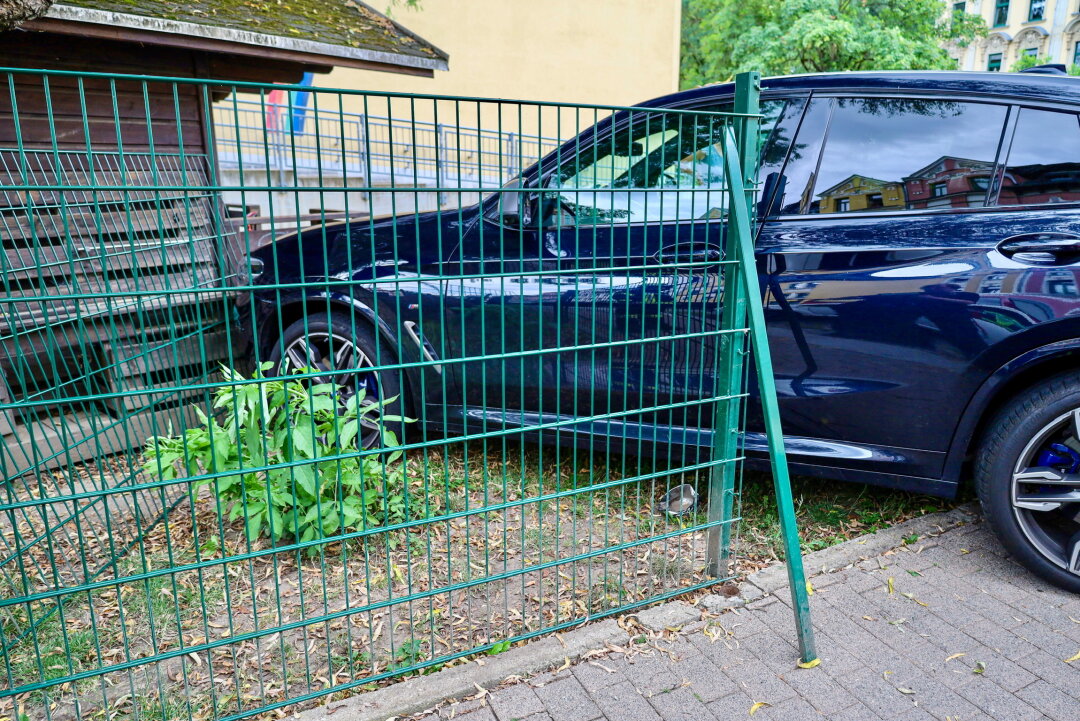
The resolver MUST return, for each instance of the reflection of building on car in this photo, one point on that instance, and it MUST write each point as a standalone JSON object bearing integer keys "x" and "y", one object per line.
{"x": 949, "y": 182}
{"x": 1051, "y": 183}
{"x": 857, "y": 192}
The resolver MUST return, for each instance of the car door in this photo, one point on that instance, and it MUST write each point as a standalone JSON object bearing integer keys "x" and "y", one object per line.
{"x": 574, "y": 311}
{"x": 613, "y": 319}
{"x": 874, "y": 254}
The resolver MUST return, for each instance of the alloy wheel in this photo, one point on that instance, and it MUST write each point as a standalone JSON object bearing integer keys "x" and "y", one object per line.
{"x": 1046, "y": 491}
{"x": 329, "y": 351}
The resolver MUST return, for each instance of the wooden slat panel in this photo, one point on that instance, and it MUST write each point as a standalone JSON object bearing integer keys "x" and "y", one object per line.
{"x": 82, "y": 438}
{"x": 85, "y": 222}
{"x": 187, "y": 187}
{"x": 138, "y": 361}
{"x": 141, "y": 256}
{"x": 83, "y": 336}
{"x": 27, "y": 315}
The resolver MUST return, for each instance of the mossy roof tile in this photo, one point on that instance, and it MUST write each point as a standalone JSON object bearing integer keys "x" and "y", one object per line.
{"x": 346, "y": 23}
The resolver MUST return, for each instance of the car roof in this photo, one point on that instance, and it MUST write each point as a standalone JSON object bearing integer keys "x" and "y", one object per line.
{"x": 1029, "y": 86}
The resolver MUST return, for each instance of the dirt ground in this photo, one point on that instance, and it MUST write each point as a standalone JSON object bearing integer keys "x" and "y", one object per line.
{"x": 196, "y": 620}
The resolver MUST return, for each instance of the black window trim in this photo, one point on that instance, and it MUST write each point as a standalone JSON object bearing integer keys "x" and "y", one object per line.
{"x": 1003, "y": 156}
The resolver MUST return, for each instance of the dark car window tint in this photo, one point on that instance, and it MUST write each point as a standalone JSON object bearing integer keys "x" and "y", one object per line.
{"x": 794, "y": 187}
{"x": 906, "y": 154}
{"x": 621, "y": 178}
{"x": 1044, "y": 160}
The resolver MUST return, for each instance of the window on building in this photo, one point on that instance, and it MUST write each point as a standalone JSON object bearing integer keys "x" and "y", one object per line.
{"x": 1001, "y": 13}
{"x": 1044, "y": 160}
{"x": 1037, "y": 10}
{"x": 993, "y": 62}
{"x": 979, "y": 182}
{"x": 1030, "y": 52}
{"x": 1076, "y": 53}
{"x": 894, "y": 153}
{"x": 959, "y": 8}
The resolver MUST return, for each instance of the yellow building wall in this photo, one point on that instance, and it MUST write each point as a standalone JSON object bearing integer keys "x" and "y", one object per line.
{"x": 606, "y": 52}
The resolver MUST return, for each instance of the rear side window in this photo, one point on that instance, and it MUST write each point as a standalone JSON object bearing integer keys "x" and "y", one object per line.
{"x": 1044, "y": 160}
{"x": 885, "y": 154}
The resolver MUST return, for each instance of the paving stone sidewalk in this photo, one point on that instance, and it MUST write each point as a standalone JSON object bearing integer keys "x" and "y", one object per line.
{"x": 958, "y": 606}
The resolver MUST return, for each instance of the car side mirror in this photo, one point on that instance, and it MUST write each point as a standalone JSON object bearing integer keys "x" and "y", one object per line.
{"x": 515, "y": 207}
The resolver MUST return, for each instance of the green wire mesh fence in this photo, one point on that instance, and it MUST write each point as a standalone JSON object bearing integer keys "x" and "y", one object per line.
{"x": 300, "y": 398}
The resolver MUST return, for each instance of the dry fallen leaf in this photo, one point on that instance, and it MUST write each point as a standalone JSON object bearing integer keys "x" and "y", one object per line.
{"x": 980, "y": 667}
{"x": 1073, "y": 658}
{"x": 892, "y": 589}
{"x": 809, "y": 589}
{"x": 758, "y": 706}
{"x": 911, "y": 597}
{"x": 810, "y": 664}
{"x": 906, "y": 691}
{"x": 954, "y": 656}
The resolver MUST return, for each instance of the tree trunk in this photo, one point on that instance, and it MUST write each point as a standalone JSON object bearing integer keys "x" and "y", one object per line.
{"x": 13, "y": 12}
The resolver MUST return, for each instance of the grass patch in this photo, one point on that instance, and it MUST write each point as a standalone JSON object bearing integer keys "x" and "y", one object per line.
{"x": 827, "y": 512}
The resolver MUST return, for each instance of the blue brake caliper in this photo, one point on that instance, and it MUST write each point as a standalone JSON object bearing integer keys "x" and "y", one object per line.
{"x": 1060, "y": 456}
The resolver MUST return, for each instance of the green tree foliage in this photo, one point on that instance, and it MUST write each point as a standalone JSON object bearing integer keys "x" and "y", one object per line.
{"x": 778, "y": 37}
{"x": 1029, "y": 61}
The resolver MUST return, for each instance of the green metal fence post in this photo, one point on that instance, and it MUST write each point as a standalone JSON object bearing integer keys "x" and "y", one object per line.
{"x": 732, "y": 346}
{"x": 740, "y": 164}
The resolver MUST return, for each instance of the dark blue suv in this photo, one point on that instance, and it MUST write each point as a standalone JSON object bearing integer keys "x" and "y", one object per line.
{"x": 919, "y": 246}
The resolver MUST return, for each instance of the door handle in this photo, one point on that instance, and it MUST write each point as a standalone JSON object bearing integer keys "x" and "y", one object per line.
{"x": 1041, "y": 247}
{"x": 688, "y": 253}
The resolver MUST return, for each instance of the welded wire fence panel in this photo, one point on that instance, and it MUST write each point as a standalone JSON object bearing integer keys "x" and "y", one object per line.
{"x": 249, "y": 465}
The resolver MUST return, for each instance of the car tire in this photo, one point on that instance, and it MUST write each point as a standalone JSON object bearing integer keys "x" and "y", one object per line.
{"x": 1029, "y": 448}
{"x": 339, "y": 339}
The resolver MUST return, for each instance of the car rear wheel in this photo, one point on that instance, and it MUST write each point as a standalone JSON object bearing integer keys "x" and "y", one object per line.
{"x": 1028, "y": 479}
{"x": 337, "y": 343}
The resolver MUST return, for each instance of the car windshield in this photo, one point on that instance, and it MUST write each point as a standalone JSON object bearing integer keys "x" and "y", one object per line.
{"x": 621, "y": 179}
{"x": 627, "y": 176}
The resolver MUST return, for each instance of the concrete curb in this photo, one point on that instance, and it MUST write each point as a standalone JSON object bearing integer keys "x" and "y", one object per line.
{"x": 772, "y": 579}
{"x": 425, "y": 692}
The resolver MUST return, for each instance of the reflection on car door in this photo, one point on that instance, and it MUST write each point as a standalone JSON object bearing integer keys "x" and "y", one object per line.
{"x": 643, "y": 232}
{"x": 871, "y": 307}
{"x": 622, "y": 270}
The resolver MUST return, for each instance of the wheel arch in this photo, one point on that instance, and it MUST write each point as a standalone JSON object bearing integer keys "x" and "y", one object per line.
{"x": 294, "y": 309}
{"x": 1019, "y": 373}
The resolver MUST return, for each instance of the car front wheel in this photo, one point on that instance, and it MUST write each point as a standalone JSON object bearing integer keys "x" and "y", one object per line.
{"x": 349, "y": 353}
{"x": 1028, "y": 479}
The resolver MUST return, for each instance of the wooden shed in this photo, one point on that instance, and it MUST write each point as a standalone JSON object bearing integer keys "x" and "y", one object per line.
{"x": 93, "y": 130}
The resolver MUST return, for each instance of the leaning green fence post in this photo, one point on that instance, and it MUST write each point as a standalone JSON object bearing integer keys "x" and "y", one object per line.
{"x": 732, "y": 350}
{"x": 740, "y": 164}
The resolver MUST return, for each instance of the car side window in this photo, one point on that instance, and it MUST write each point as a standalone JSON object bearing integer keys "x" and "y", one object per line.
{"x": 622, "y": 177}
{"x": 1044, "y": 160}
{"x": 885, "y": 154}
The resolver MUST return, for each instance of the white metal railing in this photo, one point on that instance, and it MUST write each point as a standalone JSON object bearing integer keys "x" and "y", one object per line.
{"x": 254, "y": 136}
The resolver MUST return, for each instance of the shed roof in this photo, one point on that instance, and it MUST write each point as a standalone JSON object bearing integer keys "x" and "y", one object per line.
{"x": 347, "y": 31}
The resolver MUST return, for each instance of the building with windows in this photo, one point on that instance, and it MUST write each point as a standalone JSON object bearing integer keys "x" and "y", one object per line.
{"x": 1037, "y": 28}
{"x": 859, "y": 192}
